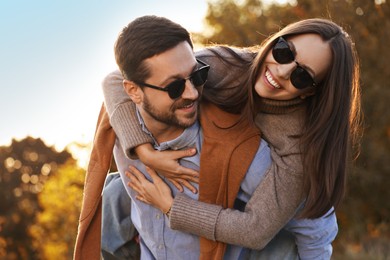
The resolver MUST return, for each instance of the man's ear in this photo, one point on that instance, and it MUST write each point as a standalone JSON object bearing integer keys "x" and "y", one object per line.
{"x": 133, "y": 90}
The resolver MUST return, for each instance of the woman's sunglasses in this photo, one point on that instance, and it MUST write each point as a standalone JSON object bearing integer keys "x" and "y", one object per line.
{"x": 176, "y": 88}
{"x": 300, "y": 77}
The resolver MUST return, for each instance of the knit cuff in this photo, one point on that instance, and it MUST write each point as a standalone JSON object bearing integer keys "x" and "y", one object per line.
{"x": 127, "y": 128}
{"x": 192, "y": 216}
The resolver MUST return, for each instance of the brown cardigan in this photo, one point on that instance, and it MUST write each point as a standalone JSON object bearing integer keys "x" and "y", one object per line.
{"x": 229, "y": 146}
{"x": 221, "y": 173}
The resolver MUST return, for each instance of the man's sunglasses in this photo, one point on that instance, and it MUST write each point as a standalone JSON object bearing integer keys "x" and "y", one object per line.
{"x": 176, "y": 88}
{"x": 300, "y": 77}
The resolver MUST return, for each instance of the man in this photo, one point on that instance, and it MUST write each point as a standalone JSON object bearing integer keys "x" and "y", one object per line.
{"x": 153, "y": 52}
{"x": 164, "y": 80}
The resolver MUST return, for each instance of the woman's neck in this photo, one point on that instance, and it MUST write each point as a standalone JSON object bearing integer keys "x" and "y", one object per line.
{"x": 271, "y": 106}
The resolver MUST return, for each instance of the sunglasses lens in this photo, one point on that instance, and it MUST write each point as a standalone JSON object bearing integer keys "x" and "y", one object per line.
{"x": 199, "y": 77}
{"x": 301, "y": 79}
{"x": 176, "y": 88}
{"x": 282, "y": 52}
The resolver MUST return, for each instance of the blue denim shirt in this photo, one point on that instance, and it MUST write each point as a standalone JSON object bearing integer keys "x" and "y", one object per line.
{"x": 158, "y": 241}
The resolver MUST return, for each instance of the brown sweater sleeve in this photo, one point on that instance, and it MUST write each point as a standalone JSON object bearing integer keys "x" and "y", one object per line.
{"x": 274, "y": 202}
{"x": 121, "y": 110}
{"x": 271, "y": 206}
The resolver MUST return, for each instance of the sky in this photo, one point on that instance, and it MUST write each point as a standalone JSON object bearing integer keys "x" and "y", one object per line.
{"x": 54, "y": 56}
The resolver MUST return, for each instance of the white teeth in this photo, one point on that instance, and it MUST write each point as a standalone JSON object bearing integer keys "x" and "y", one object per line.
{"x": 189, "y": 105}
{"x": 271, "y": 80}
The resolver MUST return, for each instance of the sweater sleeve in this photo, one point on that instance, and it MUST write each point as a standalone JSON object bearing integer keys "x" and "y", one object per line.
{"x": 271, "y": 206}
{"x": 274, "y": 202}
{"x": 201, "y": 216}
{"x": 122, "y": 112}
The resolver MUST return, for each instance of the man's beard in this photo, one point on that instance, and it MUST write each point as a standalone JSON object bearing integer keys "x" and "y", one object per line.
{"x": 169, "y": 117}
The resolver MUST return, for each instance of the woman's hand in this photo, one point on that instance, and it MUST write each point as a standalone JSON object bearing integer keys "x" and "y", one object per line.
{"x": 167, "y": 164}
{"x": 156, "y": 193}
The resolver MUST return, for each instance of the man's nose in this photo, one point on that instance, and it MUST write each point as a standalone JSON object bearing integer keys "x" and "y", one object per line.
{"x": 190, "y": 92}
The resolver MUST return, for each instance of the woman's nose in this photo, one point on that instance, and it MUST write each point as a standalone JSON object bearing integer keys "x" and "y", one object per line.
{"x": 284, "y": 70}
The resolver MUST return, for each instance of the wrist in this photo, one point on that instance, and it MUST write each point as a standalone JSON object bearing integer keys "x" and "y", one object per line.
{"x": 168, "y": 212}
{"x": 144, "y": 151}
{"x": 168, "y": 209}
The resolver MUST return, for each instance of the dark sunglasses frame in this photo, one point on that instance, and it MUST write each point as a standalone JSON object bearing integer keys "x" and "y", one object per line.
{"x": 176, "y": 88}
{"x": 300, "y": 77}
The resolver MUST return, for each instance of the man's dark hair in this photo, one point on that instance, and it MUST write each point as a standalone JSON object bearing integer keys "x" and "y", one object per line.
{"x": 143, "y": 38}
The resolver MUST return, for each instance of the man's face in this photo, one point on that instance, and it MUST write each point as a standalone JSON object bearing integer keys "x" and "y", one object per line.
{"x": 157, "y": 108}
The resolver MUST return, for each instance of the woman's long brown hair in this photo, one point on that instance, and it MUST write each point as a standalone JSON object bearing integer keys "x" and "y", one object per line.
{"x": 333, "y": 121}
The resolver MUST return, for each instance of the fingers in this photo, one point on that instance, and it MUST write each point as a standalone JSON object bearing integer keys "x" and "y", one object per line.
{"x": 134, "y": 186}
{"x": 178, "y": 186}
{"x": 183, "y": 153}
{"x": 139, "y": 175}
{"x": 179, "y": 183}
{"x": 189, "y": 174}
{"x": 144, "y": 200}
{"x": 152, "y": 174}
{"x": 189, "y": 186}
{"x": 137, "y": 179}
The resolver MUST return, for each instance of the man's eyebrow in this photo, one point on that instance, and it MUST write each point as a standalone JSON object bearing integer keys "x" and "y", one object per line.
{"x": 292, "y": 47}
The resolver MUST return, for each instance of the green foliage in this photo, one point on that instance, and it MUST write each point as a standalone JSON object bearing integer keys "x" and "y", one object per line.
{"x": 364, "y": 216}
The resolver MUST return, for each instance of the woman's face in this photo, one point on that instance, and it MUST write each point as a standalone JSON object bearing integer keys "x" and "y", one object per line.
{"x": 310, "y": 51}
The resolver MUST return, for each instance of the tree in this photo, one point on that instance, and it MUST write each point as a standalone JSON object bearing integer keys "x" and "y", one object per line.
{"x": 55, "y": 229}
{"x": 25, "y": 167}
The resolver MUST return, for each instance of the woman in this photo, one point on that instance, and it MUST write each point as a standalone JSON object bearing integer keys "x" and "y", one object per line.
{"x": 315, "y": 96}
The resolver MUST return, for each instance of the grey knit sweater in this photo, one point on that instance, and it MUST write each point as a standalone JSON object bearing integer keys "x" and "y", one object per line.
{"x": 276, "y": 199}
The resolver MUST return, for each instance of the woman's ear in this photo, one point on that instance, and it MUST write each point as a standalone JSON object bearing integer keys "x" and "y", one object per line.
{"x": 133, "y": 90}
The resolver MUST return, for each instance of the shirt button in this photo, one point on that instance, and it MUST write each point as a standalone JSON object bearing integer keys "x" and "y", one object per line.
{"x": 158, "y": 216}
{"x": 160, "y": 247}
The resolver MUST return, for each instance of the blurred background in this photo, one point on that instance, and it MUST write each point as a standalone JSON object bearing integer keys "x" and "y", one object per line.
{"x": 53, "y": 57}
